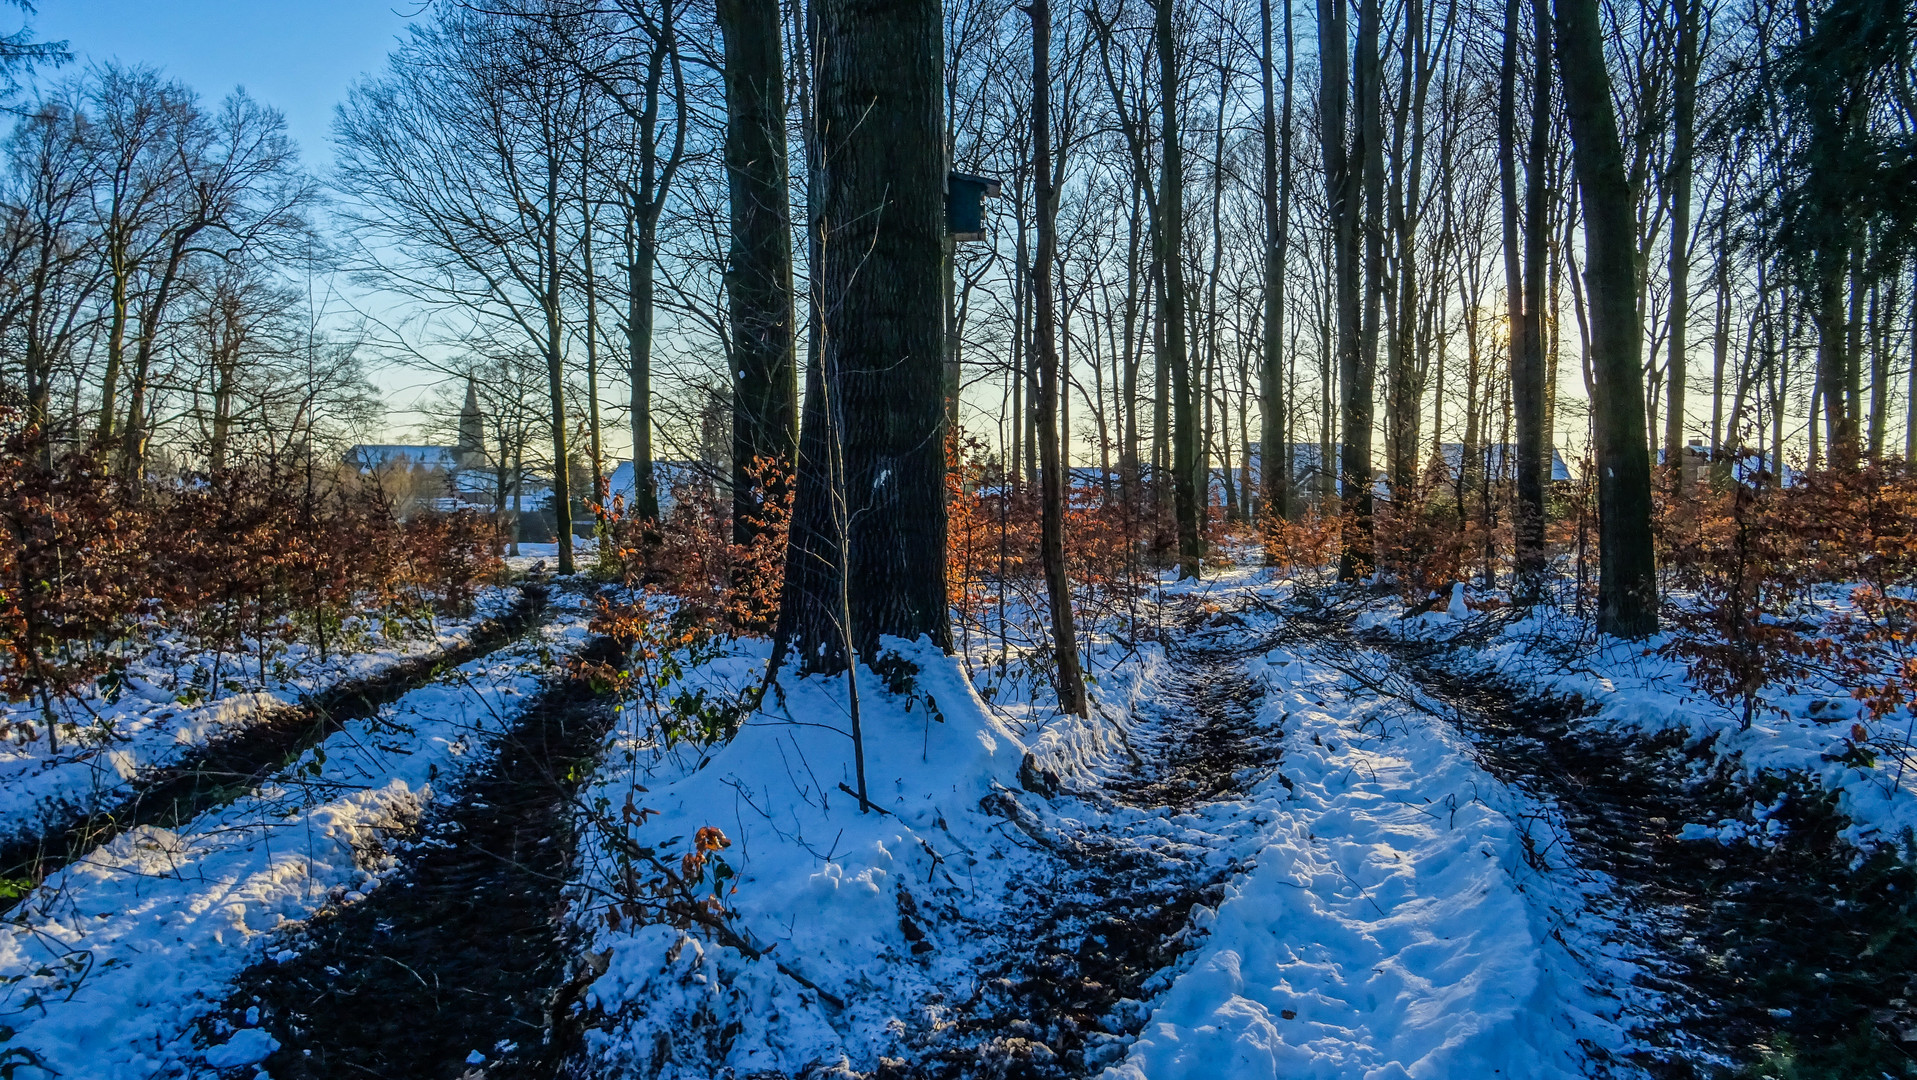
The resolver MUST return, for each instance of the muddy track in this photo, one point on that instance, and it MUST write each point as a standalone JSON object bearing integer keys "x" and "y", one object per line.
{"x": 224, "y": 770}
{"x": 1781, "y": 960}
{"x": 1116, "y": 911}
{"x": 464, "y": 949}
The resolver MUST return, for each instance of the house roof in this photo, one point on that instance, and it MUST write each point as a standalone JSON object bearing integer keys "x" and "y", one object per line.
{"x": 380, "y": 455}
{"x": 1497, "y": 459}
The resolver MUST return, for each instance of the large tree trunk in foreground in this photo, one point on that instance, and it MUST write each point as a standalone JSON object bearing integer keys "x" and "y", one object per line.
{"x": 882, "y": 211}
{"x": 1627, "y": 571}
{"x": 759, "y": 270}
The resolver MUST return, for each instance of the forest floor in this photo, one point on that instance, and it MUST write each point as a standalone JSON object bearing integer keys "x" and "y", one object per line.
{"x": 1298, "y": 836}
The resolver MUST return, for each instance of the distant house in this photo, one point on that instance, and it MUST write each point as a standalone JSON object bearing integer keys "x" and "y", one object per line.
{"x": 668, "y": 476}
{"x": 418, "y": 476}
{"x": 1498, "y": 461}
{"x": 1311, "y": 479}
{"x": 1746, "y": 467}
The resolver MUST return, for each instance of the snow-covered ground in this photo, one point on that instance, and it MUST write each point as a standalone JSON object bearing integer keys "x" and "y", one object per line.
{"x": 1809, "y": 728}
{"x": 820, "y": 883}
{"x": 1382, "y": 919}
{"x": 108, "y": 963}
{"x": 172, "y": 704}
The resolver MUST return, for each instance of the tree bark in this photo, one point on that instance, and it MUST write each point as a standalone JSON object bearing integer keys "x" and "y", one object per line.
{"x": 1052, "y": 473}
{"x": 882, "y": 209}
{"x": 1274, "y": 464}
{"x": 1187, "y": 500}
{"x": 556, "y": 370}
{"x": 1627, "y": 572}
{"x": 1341, "y": 196}
{"x": 1683, "y": 145}
{"x": 759, "y": 269}
{"x": 1525, "y": 288}
{"x": 1358, "y": 378}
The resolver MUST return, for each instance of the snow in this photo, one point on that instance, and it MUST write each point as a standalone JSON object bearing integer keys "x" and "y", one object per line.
{"x": 247, "y": 1047}
{"x": 1389, "y": 928}
{"x": 819, "y": 882}
{"x": 149, "y": 728}
{"x": 1804, "y": 731}
{"x": 110, "y": 962}
{"x": 1382, "y": 919}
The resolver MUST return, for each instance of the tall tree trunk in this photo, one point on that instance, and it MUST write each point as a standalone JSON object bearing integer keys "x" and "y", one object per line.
{"x": 1879, "y": 367}
{"x": 590, "y": 275}
{"x": 759, "y": 269}
{"x": 1187, "y": 500}
{"x": 1274, "y": 464}
{"x": 120, "y": 275}
{"x": 812, "y": 614}
{"x": 1683, "y": 143}
{"x": 1910, "y": 387}
{"x": 1128, "y": 463}
{"x": 1214, "y": 371}
{"x": 1627, "y": 571}
{"x": 1358, "y": 378}
{"x": 1405, "y": 359}
{"x": 134, "y": 436}
{"x": 1525, "y": 287}
{"x": 1341, "y": 196}
{"x": 1052, "y": 473}
{"x": 883, "y": 214}
{"x": 1720, "y": 341}
{"x": 1016, "y": 472}
{"x": 556, "y": 370}
{"x": 639, "y": 312}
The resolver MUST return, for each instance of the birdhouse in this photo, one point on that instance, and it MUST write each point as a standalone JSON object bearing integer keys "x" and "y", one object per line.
{"x": 965, "y": 205}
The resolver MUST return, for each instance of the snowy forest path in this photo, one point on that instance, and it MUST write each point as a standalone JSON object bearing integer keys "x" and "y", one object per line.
{"x": 1781, "y": 950}
{"x": 227, "y": 768}
{"x": 458, "y": 961}
{"x": 1104, "y": 931}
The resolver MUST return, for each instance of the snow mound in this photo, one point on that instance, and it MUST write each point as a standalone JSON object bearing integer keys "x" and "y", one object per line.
{"x": 832, "y": 894}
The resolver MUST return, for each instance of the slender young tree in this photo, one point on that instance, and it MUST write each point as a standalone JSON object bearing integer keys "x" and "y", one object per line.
{"x": 1053, "y": 478}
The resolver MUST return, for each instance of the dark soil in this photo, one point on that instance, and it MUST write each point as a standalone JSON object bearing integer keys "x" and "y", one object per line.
{"x": 464, "y": 949}
{"x": 223, "y": 771}
{"x": 1797, "y": 960}
{"x": 1115, "y": 912}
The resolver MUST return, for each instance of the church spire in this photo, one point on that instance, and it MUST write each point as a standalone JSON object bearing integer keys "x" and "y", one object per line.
{"x": 472, "y": 424}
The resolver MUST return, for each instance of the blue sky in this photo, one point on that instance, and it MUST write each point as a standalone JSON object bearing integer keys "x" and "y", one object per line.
{"x": 299, "y": 56}
{"x": 296, "y": 55}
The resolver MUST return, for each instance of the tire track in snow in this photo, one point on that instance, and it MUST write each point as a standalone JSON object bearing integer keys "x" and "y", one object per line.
{"x": 1763, "y": 949}
{"x": 110, "y": 962}
{"x": 1136, "y": 861}
{"x": 227, "y": 768}
{"x": 455, "y": 967}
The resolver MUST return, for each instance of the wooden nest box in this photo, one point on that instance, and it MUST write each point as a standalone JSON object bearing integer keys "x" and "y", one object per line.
{"x": 965, "y": 205}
